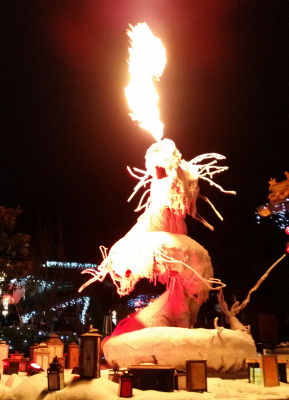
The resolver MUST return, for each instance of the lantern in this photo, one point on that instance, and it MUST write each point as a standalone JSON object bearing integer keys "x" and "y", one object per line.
{"x": 55, "y": 375}
{"x": 90, "y": 354}
{"x": 32, "y": 350}
{"x": 114, "y": 374}
{"x": 42, "y": 356}
{"x": 73, "y": 355}
{"x": 16, "y": 356}
{"x": 254, "y": 371}
{"x": 23, "y": 364}
{"x": 4, "y": 351}
{"x": 196, "y": 375}
{"x": 55, "y": 347}
{"x": 125, "y": 385}
{"x": 270, "y": 370}
{"x": 10, "y": 366}
{"x": 107, "y": 325}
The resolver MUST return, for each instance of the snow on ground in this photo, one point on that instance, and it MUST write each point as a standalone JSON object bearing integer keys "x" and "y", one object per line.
{"x": 20, "y": 387}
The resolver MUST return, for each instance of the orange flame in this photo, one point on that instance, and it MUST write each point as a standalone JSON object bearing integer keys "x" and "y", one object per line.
{"x": 147, "y": 60}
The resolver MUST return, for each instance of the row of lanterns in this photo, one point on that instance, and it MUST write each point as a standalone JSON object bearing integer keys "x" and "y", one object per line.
{"x": 85, "y": 359}
{"x": 49, "y": 356}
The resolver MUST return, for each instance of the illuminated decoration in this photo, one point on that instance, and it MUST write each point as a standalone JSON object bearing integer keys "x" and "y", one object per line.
{"x": 114, "y": 317}
{"x": 84, "y": 301}
{"x": 71, "y": 265}
{"x": 26, "y": 317}
{"x": 140, "y": 301}
{"x": 5, "y": 302}
{"x": 40, "y": 283}
{"x": 277, "y": 208}
{"x": 2, "y": 279}
{"x": 157, "y": 247}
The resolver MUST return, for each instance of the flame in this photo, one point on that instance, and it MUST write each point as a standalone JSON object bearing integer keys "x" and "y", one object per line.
{"x": 147, "y": 60}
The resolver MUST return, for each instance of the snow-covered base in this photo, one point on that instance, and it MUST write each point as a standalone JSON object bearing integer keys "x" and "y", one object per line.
{"x": 17, "y": 387}
{"x": 224, "y": 350}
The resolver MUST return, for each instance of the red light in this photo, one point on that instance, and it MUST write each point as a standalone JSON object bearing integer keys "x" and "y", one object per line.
{"x": 287, "y": 248}
{"x": 286, "y": 230}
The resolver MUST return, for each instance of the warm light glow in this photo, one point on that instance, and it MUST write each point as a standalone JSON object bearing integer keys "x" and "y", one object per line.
{"x": 147, "y": 59}
{"x": 34, "y": 365}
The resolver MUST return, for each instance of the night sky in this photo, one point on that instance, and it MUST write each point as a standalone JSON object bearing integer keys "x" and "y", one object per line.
{"x": 66, "y": 136}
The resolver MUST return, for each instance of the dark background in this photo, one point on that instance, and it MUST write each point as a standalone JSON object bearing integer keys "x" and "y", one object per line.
{"x": 66, "y": 137}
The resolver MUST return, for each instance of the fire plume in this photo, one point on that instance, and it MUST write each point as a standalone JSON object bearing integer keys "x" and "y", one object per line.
{"x": 147, "y": 59}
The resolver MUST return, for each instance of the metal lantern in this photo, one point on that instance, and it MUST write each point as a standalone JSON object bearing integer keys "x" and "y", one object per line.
{"x": 42, "y": 356}
{"x": 73, "y": 355}
{"x": 4, "y": 351}
{"x": 90, "y": 354}
{"x": 55, "y": 346}
{"x": 55, "y": 375}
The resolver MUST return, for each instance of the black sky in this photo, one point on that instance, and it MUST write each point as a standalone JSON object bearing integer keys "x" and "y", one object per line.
{"x": 66, "y": 136}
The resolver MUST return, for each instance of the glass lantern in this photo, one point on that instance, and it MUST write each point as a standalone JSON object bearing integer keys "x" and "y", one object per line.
{"x": 55, "y": 375}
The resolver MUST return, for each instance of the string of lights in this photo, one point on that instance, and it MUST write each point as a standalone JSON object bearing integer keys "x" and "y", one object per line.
{"x": 42, "y": 284}
{"x": 278, "y": 213}
{"x": 140, "y": 301}
{"x": 71, "y": 265}
{"x": 83, "y": 301}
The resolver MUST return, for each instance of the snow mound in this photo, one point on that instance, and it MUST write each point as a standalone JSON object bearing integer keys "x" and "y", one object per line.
{"x": 223, "y": 349}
